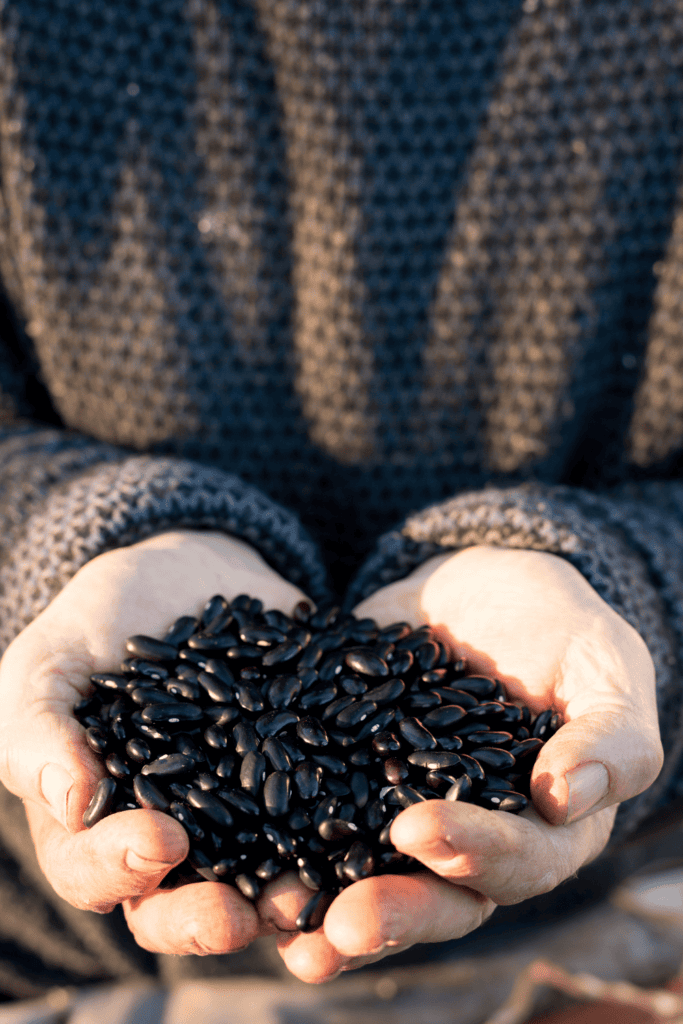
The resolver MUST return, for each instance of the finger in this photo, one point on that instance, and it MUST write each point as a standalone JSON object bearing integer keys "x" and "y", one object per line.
{"x": 310, "y": 957}
{"x": 125, "y": 855}
{"x": 385, "y": 913}
{"x": 502, "y": 856}
{"x": 203, "y": 918}
{"x": 609, "y": 748}
{"x": 45, "y": 758}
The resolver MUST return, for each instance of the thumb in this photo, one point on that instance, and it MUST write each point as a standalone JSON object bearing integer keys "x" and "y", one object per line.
{"x": 595, "y": 760}
{"x": 44, "y": 757}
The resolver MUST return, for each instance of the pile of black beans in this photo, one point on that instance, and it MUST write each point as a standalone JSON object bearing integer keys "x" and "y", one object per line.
{"x": 287, "y": 743}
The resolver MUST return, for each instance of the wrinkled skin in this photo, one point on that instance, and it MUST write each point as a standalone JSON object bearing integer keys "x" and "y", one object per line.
{"x": 526, "y": 616}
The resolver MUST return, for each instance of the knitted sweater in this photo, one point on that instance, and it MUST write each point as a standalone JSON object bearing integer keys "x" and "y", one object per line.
{"x": 357, "y": 281}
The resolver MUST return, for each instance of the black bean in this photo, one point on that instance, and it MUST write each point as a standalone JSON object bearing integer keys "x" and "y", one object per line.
{"x": 444, "y": 717}
{"x": 353, "y": 686}
{"x": 487, "y": 709}
{"x": 206, "y": 782}
{"x": 472, "y": 768}
{"x": 493, "y": 739}
{"x": 422, "y": 701}
{"x": 541, "y": 724}
{"x": 96, "y": 738}
{"x": 311, "y": 878}
{"x": 216, "y": 737}
{"x": 101, "y": 803}
{"x": 470, "y": 727}
{"x": 313, "y": 914}
{"x": 333, "y": 765}
{"x": 110, "y": 681}
{"x": 384, "y": 838}
{"x": 434, "y": 760}
{"x": 171, "y": 714}
{"x": 494, "y": 757}
{"x": 311, "y": 656}
{"x": 277, "y": 755}
{"x": 269, "y": 869}
{"x": 331, "y": 710}
{"x": 148, "y": 795}
{"x": 458, "y": 697}
{"x": 307, "y": 779}
{"x": 402, "y": 663}
{"x": 396, "y": 631}
{"x": 555, "y": 723}
{"x": 217, "y": 690}
{"x": 187, "y": 819}
{"x": 360, "y": 758}
{"x": 226, "y": 767}
{"x": 245, "y": 738}
{"x": 460, "y": 790}
{"x": 276, "y": 794}
{"x": 375, "y": 814}
{"x": 407, "y": 795}
{"x": 147, "y": 647}
{"x": 360, "y": 788}
{"x": 219, "y": 714}
{"x": 386, "y": 743}
{"x": 148, "y": 669}
{"x": 355, "y": 713}
{"x": 146, "y": 696}
{"x": 309, "y": 677}
{"x": 181, "y": 630}
{"x": 274, "y": 722}
{"x": 170, "y": 764}
{"x": 184, "y": 744}
{"x": 241, "y": 802}
{"x": 502, "y": 800}
{"x": 182, "y": 688}
{"x": 298, "y": 821}
{"x": 359, "y": 862}
{"x": 283, "y": 653}
{"x": 312, "y": 732}
{"x": 211, "y": 806}
{"x": 416, "y": 735}
{"x": 138, "y": 750}
{"x": 317, "y": 696}
{"x": 335, "y": 787}
{"x": 427, "y": 655}
{"x": 395, "y": 770}
{"x": 373, "y": 726}
{"x": 366, "y": 663}
{"x": 480, "y": 686}
{"x": 525, "y": 748}
{"x": 196, "y": 658}
{"x": 282, "y": 691}
{"x": 440, "y": 781}
{"x": 216, "y": 605}
{"x": 334, "y": 829}
{"x": 331, "y": 666}
{"x": 150, "y": 732}
{"x": 249, "y": 696}
{"x": 208, "y": 643}
{"x": 284, "y": 843}
{"x": 248, "y": 886}
{"x": 253, "y": 772}
{"x": 118, "y": 767}
{"x": 295, "y": 752}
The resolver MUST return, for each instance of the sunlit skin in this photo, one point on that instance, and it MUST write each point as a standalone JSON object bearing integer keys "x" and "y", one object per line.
{"x": 528, "y": 617}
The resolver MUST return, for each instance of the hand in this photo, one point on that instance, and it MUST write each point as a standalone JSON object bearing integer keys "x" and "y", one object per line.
{"x": 533, "y": 621}
{"x": 44, "y": 758}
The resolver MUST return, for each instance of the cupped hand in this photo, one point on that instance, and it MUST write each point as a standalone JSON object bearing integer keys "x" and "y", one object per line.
{"x": 45, "y": 760}
{"x": 531, "y": 620}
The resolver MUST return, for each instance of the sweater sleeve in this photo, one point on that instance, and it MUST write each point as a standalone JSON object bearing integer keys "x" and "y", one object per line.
{"x": 65, "y": 498}
{"x": 627, "y": 543}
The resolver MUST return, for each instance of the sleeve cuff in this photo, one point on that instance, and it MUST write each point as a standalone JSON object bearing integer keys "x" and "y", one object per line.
{"x": 119, "y": 502}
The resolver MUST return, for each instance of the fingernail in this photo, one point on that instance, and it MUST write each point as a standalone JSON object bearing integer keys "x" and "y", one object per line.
{"x": 149, "y": 865}
{"x": 588, "y": 785}
{"x": 55, "y": 786}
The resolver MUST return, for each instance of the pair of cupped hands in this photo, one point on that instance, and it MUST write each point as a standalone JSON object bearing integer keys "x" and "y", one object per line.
{"x": 527, "y": 617}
